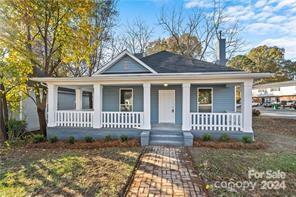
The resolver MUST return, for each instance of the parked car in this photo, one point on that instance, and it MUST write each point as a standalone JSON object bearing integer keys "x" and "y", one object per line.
{"x": 293, "y": 105}
{"x": 255, "y": 104}
{"x": 290, "y": 103}
{"x": 267, "y": 104}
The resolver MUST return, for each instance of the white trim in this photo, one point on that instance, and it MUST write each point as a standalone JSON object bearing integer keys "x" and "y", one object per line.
{"x": 212, "y": 97}
{"x": 118, "y": 57}
{"x": 228, "y": 76}
{"x": 235, "y": 104}
{"x": 120, "y": 98}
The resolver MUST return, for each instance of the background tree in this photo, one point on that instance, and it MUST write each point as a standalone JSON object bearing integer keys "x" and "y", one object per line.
{"x": 185, "y": 45}
{"x": 202, "y": 25}
{"x": 14, "y": 73}
{"x": 262, "y": 59}
{"x": 45, "y": 33}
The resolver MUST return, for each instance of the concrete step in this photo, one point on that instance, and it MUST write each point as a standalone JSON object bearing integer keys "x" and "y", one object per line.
{"x": 166, "y": 142}
{"x": 158, "y": 132}
{"x": 167, "y": 137}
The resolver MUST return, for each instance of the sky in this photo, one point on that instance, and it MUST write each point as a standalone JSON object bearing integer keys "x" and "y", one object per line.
{"x": 269, "y": 22}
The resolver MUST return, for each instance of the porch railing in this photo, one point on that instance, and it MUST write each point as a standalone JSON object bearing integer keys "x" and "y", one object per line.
{"x": 68, "y": 118}
{"x": 122, "y": 119}
{"x": 216, "y": 121}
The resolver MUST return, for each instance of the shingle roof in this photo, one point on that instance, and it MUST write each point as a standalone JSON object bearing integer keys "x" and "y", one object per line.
{"x": 168, "y": 62}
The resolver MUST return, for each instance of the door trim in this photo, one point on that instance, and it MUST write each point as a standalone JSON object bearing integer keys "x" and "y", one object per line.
{"x": 174, "y": 118}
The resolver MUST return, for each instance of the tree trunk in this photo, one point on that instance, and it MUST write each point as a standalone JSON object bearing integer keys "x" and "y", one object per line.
{"x": 3, "y": 132}
{"x": 42, "y": 120}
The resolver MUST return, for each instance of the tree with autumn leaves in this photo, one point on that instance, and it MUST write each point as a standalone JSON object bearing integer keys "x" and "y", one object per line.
{"x": 49, "y": 37}
{"x": 265, "y": 59}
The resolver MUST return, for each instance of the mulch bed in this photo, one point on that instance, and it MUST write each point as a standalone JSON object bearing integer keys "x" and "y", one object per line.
{"x": 229, "y": 145}
{"x": 85, "y": 145}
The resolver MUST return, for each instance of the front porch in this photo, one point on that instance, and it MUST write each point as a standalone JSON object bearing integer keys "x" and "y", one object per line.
{"x": 129, "y": 109}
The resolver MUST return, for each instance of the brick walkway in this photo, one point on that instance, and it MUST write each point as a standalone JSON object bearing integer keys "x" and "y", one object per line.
{"x": 165, "y": 171}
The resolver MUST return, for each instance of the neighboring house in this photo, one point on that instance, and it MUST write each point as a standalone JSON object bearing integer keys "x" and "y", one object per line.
{"x": 165, "y": 98}
{"x": 66, "y": 101}
{"x": 275, "y": 92}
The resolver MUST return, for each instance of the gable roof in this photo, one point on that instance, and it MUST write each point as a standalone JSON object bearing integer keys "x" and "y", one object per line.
{"x": 121, "y": 55}
{"x": 168, "y": 62}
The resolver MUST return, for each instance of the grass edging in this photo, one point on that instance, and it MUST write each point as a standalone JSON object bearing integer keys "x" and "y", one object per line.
{"x": 202, "y": 179}
{"x": 125, "y": 189}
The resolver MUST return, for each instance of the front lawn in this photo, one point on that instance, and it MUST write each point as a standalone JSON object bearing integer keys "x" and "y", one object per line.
{"x": 224, "y": 166}
{"x": 48, "y": 172}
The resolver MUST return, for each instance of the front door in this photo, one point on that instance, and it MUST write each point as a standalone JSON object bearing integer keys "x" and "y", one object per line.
{"x": 166, "y": 106}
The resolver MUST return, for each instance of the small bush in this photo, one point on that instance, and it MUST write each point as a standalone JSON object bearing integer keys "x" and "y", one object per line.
{"x": 89, "y": 139}
{"x": 224, "y": 137}
{"x": 108, "y": 138}
{"x": 53, "y": 139}
{"x": 16, "y": 129}
{"x": 207, "y": 137}
{"x": 247, "y": 139}
{"x": 124, "y": 138}
{"x": 38, "y": 138}
{"x": 256, "y": 112}
{"x": 71, "y": 140}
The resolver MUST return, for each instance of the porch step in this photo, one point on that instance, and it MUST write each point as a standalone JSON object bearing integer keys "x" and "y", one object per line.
{"x": 173, "y": 138}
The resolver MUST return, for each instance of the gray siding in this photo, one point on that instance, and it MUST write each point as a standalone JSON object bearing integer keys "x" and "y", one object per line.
{"x": 223, "y": 97}
{"x": 126, "y": 65}
{"x": 111, "y": 97}
{"x": 154, "y": 102}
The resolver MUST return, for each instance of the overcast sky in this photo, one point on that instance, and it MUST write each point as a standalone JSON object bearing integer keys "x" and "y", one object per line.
{"x": 270, "y": 22}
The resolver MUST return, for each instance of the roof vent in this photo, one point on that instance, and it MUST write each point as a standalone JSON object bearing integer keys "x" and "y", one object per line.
{"x": 221, "y": 50}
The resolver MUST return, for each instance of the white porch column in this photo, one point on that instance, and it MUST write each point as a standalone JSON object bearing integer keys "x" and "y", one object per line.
{"x": 147, "y": 105}
{"x": 78, "y": 99}
{"x": 51, "y": 104}
{"x": 246, "y": 106}
{"x": 97, "y": 105}
{"x": 186, "y": 107}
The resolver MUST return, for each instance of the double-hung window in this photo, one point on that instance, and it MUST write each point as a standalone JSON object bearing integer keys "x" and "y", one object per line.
{"x": 126, "y": 99}
{"x": 205, "y": 99}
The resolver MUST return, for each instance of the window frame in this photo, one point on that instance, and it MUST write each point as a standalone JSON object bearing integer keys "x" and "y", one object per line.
{"x": 123, "y": 104}
{"x": 212, "y": 99}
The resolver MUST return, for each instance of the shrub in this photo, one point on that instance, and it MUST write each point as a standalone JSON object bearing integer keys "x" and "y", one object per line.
{"x": 89, "y": 139}
{"x": 54, "y": 139}
{"x": 123, "y": 138}
{"x": 71, "y": 140}
{"x": 207, "y": 137}
{"x": 256, "y": 112}
{"x": 247, "y": 139}
{"x": 16, "y": 129}
{"x": 108, "y": 138}
{"x": 38, "y": 138}
{"x": 224, "y": 137}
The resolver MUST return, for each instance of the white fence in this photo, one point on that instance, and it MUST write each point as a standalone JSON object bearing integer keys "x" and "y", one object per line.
{"x": 216, "y": 121}
{"x": 67, "y": 118}
{"x": 122, "y": 119}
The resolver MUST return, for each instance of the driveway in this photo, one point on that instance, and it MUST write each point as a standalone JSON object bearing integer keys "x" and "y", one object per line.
{"x": 165, "y": 171}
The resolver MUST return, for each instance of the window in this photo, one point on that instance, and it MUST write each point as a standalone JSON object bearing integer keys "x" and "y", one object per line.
{"x": 205, "y": 99}
{"x": 275, "y": 89}
{"x": 126, "y": 100}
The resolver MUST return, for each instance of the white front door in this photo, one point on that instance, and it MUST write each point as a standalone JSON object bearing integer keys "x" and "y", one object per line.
{"x": 166, "y": 106}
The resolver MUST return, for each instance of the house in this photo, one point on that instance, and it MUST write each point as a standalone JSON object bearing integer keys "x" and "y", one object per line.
{"x": 275, "y": 92}
{"x": 163, "y": 98}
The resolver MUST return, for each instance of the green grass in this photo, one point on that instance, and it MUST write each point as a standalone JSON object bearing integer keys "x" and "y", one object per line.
{"x": 225, "y": 165}
{"x": 101, "y": 172}
{"x": 233, "y": 165}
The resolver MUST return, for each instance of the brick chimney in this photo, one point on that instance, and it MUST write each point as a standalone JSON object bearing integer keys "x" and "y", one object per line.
{"x": 221, "y": 50}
